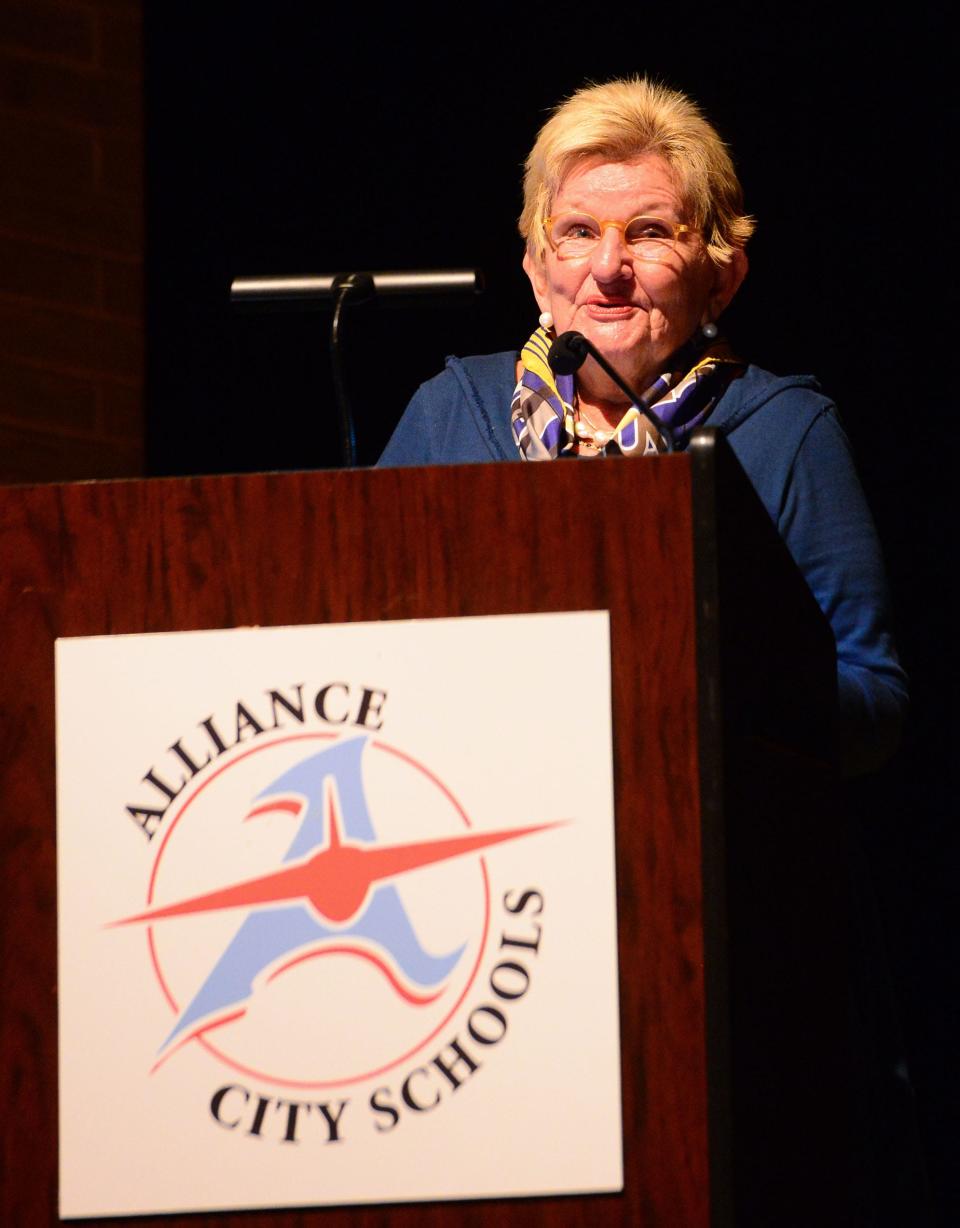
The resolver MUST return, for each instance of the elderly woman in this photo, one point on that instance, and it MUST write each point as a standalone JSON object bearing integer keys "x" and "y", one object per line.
{"x": 635, "y": 237}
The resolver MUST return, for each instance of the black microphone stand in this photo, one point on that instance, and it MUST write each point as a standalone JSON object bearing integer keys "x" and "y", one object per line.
{"x": 305, "y": 292}
{"x": 357, "y": 287}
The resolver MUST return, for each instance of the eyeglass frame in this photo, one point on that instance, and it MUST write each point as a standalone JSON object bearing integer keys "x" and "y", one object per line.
{"x": 679, "y": 228}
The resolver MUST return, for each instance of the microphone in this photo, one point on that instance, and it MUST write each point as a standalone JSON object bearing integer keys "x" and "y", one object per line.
{"x": 568, "y": 354}
{"x": 344, "y": 289}
{"x": 307, "y": 289}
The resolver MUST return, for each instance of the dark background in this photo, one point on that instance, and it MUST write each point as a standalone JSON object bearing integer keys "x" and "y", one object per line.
{"x": 303, "y": 139}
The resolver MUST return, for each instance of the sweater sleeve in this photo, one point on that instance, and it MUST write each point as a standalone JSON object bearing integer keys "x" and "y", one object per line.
{"x": 418, "y": 436}
{"x": 446, "y": 422}
{"x": 826, "y": 524}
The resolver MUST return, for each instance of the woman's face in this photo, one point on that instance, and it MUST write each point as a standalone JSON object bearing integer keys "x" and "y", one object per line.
{"x": 636, "y": 312}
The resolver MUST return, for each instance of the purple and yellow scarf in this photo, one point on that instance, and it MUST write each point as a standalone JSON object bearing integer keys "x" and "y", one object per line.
{"x": 543, "y": 412}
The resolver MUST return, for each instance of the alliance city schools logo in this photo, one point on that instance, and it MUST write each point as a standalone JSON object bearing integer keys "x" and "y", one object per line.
{"x": 318, "y": 911}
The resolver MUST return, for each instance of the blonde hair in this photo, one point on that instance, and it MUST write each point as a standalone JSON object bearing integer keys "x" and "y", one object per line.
{"x": 621, "y": 120}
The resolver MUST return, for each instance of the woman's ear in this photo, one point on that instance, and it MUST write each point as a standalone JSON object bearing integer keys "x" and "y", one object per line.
{"x": 537, "y": 272}
{"x": 727, "y": 282}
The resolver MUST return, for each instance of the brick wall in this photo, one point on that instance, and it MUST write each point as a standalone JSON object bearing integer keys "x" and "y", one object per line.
{"x": 71, "y": 239}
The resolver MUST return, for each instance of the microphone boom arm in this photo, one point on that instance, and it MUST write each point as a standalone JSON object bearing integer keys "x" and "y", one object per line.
{"x": 569, "y": 352}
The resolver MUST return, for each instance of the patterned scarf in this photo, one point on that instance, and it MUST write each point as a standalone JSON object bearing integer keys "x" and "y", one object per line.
{"x": 544, "y": 416}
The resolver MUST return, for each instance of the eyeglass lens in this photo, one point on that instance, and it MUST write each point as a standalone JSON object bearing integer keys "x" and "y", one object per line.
{"x": 577, "y": 234}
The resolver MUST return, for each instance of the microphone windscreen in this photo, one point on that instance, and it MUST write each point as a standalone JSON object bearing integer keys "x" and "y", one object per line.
{"x": 567, "y": 353}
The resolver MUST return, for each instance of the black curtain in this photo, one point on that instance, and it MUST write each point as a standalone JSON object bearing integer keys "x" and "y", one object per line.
{"x": 302, "y": 138}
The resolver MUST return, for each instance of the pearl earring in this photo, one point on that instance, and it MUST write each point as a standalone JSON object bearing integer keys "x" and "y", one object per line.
{"x": 546, "y": 320}
{"x": 709, "y": 330}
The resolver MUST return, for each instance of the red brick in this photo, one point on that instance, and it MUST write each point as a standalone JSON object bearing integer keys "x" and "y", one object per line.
{"x": 121, "y": 163}
{"x": 37, "y": 271}
{"x": 35, "y": 397}
{"x": 59, "y": 30}
{"x": 35, "y": 456}
{"x": 113, "y": 6}
{"x": 99, "y": 221}
{"x": 71, "y": 239}
{"x": 79, "y": 96}
{"x": 121, "y": 410}
{"x": 123, "y": 288}
{"x": 121, "y": 38}
{"x": 35, "y": 154}
{"x": 70, "y": 341}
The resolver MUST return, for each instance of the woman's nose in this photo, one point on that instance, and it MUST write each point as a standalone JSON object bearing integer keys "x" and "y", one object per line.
{"x": 610, "y": 257}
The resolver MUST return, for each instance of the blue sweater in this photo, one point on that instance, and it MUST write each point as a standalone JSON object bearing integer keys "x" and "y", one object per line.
{"x": 789, "y": 442}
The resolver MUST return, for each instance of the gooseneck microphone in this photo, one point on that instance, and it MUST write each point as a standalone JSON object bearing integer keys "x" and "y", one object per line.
{"x": 568, "y": 354}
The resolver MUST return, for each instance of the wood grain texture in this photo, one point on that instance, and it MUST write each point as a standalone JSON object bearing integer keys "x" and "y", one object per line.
{"x": 329, "y": 547}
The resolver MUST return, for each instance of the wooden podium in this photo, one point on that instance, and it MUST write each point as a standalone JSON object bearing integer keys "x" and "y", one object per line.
{"x": 730, "y": 917}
